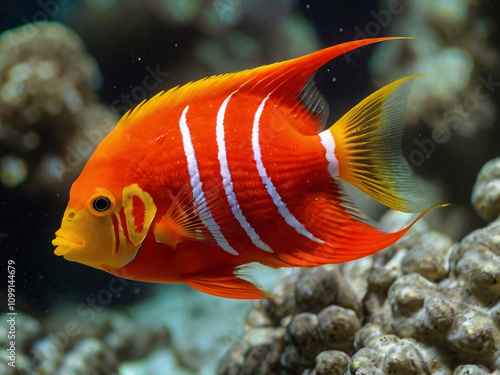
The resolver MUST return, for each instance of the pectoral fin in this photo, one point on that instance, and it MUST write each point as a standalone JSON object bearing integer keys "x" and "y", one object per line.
{"x": 187, "y": 219}
{"x": 182, "y": 221}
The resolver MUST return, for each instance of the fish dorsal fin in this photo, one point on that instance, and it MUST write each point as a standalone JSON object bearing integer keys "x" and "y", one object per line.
{"x": 290, "y": 83}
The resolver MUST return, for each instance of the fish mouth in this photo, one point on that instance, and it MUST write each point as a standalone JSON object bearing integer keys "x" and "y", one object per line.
{"x": 65, "y": 242}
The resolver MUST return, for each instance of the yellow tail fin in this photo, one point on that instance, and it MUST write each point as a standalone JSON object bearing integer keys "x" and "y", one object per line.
{"x": 368, "y": 148}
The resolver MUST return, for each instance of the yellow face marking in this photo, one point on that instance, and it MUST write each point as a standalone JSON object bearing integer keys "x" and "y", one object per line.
{"x": 147, "y": 212}
{"x": 95, "y": 236}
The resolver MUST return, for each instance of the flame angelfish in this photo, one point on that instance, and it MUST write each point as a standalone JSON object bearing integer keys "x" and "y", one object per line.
{"x": 201, "y": 180}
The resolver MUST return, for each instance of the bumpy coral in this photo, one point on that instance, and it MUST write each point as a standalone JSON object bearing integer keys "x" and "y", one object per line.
{"x": 452, "y": 109}
{"x": 22, "y": 330}
{"x": 49, "y": 119}
{"x": 454, "y": 43}
{"x": 89, "y": 355}
{"x": 96, "y": 346}
{"x": 486, "y": 193}
{"x": 422, "y": 306}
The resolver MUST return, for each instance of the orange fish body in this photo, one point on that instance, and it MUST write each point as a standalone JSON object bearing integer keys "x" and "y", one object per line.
{"x": 203, "y": 179}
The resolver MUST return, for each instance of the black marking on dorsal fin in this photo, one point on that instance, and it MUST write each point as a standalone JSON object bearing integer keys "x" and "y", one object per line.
{"x": 314, "y": 100}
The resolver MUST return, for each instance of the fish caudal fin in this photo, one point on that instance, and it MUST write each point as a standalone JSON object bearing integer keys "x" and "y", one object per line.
{"x": 368, "y": 148}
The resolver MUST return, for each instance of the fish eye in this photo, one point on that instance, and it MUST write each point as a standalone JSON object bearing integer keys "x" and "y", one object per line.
{"x": 101, "y": 204}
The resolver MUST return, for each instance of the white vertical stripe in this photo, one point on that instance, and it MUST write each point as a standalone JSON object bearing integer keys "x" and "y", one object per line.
{"x": 227, "y": 183}
{"x": 280, "y": 205}
{"x": 199, "y": 196}
{"x": 329, "y": 144}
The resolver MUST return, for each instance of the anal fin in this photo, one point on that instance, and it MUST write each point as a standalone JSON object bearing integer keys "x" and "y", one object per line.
{"x": 226, "y": 283}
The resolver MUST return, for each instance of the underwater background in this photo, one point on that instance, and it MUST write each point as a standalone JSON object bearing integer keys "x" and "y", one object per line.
{"x": 428, "y": 304}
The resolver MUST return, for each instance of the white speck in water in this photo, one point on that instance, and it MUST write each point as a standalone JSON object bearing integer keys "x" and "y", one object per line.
{"x": 139, "y": 58}
{"x": 308, "y": 6}
{"x": 334, "y": 79}
{"x": 175, "y": 45}
{"x": 341, "y": 29}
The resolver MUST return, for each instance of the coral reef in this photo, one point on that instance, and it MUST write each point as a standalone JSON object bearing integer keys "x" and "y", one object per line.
{"x": 422, "y": 306}
{"x": 453, "y": 50}
{"x": 28, "y": 329}
{"x": 486, "y": 193}
{"x": 172, "y": 333}
{"x": 50, "y": 122}
{"x": 452, "y": 109}
{"x": 97, "y": 346}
